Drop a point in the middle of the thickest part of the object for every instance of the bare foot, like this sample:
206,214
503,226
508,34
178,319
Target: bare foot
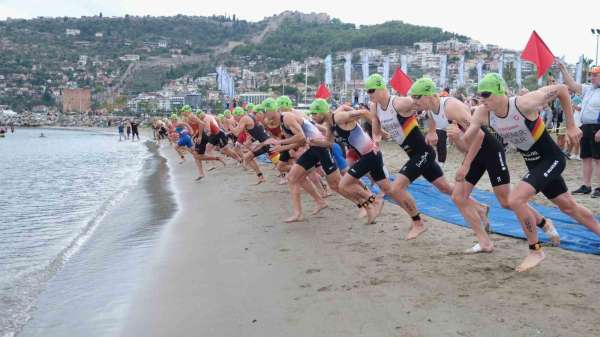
550,230
282,181
319,207
362,212
415,231
294,218
222,161
479,249
199,178
378,205
534,258
483,215
260,180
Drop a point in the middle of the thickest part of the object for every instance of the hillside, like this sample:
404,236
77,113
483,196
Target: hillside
42,55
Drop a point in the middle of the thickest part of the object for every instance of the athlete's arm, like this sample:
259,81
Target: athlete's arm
292,123
478,119
431,137
459,113
375,125
241,126
328,140
569,81
530,102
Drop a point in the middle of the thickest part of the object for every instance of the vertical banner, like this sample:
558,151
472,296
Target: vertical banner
461,71
561,79
518,75
479,70
501,66
404,63
348,67
365,65
578,70
540,81
443,70
386,69
328,73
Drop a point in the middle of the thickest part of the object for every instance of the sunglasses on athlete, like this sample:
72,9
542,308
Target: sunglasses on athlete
370,91
485,94
416,97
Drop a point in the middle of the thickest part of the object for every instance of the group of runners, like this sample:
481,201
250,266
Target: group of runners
326,150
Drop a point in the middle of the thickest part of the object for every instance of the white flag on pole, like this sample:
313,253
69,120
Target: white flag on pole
386,69
328,72
578,70
518,75
501,66
348,67
443,69
365,65
404,63
479,70
461,71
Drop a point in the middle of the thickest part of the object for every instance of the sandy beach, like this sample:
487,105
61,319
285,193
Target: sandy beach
228,265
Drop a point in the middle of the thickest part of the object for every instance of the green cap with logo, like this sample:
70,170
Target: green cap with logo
173,116
319,106
250,107
239,111
284,102
226,113
198,112
424,86
493,83
259,108
270,105
375,81
186,108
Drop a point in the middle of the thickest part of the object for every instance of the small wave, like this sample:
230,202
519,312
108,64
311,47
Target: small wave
30,284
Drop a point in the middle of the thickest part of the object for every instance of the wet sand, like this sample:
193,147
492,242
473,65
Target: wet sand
228,266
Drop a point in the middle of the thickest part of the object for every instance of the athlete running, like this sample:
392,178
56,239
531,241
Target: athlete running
484,153
396,115
517,120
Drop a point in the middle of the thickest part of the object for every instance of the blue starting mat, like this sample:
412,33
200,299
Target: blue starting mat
431,202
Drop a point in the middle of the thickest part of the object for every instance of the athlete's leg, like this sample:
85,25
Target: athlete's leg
461,198
584,216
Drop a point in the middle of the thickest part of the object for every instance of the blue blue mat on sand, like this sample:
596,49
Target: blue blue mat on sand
573,236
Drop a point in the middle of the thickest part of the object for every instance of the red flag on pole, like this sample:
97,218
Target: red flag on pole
323,92
537,52
401,82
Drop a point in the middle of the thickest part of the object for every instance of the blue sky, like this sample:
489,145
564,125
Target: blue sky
566,28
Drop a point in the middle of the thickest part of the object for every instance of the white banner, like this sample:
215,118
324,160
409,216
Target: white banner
443,70
328,72
518,75
461,71
386,69
404,63
578,70
348,68
225,82
365,65
501,66
540,82
479,70
561,79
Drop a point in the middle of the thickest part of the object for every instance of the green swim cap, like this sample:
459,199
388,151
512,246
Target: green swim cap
492,82
270,105
198,111
174,116
250,107
375,81
220,116
186,108
284,102
259,108
239,111
226,113
319,106
424,86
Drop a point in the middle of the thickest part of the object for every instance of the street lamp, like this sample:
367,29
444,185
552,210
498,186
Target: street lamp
597,33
